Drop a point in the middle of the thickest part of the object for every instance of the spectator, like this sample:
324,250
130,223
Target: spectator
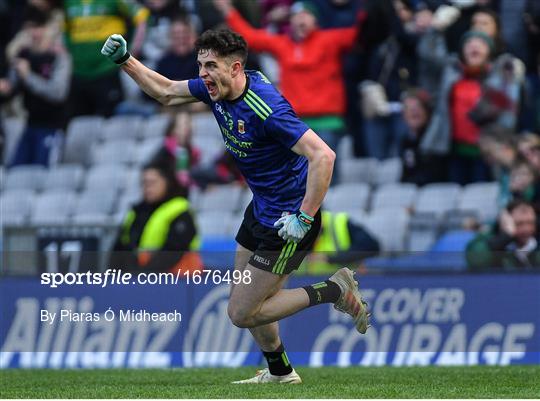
498,147
487,21
522,183
40,72
512,244
340,242
419,167
96,86
310,65
55,19
529,148
180,60
159,233
392,69
180,149
475,92
432,49
462,24
157,38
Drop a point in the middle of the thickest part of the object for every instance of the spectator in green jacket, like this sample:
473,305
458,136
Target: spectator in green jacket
513,244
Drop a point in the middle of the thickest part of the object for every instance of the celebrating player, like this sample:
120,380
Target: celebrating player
288,168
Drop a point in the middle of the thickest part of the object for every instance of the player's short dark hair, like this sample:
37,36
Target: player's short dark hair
224,43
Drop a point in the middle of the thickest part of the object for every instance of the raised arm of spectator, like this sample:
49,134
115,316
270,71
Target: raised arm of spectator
257,39
56,87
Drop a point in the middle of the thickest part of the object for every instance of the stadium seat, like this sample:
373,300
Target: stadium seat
133,181
26,177
211,147
387,171
2,177
114,151
345,149
246,198
121,127
53,207
453,241
356,170
204,125
194,197
235,223
147,149
349,197
455,219
64,176
213,223
394,195
438,198
389,226
482,198
106,177
16,206
155,126
94,202
225,198
423,231
126,201
13,129
82,132
93,219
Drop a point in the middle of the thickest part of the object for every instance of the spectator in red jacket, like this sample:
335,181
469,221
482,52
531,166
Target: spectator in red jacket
310,65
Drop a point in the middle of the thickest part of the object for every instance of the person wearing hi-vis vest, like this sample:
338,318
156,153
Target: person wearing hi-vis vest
158,234
340,242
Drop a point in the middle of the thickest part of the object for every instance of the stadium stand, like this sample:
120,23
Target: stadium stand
117,150
394,195
53,207
64,176
16,206
82,132
356,170
348,197
26,177
121,127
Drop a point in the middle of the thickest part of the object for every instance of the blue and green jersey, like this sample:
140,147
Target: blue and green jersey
259,129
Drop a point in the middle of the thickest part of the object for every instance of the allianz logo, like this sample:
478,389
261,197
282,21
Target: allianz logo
211,339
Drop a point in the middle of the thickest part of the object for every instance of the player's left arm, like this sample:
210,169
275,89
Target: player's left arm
320,167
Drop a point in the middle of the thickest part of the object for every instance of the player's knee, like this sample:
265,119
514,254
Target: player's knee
240,317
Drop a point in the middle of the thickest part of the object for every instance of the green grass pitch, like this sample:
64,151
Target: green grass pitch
327,382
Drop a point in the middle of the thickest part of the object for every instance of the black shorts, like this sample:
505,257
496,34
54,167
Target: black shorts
271,252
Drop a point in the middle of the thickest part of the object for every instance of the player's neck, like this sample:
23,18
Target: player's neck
238,87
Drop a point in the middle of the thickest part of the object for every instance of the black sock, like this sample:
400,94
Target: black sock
322,293
278,363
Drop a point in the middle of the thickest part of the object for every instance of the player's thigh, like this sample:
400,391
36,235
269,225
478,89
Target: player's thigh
241,260
248,295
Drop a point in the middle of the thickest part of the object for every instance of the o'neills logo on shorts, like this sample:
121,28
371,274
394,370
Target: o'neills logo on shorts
262,260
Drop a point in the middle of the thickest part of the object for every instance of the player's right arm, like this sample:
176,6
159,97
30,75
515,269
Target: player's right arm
164,90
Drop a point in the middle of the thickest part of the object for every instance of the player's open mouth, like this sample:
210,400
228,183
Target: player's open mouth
211,87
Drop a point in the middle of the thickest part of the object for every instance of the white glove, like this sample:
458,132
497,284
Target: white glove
115,47
294,226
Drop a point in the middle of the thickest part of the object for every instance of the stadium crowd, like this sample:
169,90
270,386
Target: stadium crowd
448,88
